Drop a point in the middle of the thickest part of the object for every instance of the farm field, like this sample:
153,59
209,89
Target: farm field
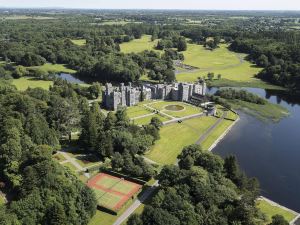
184,110
112,192
56,68
171,143
271,210
25,82
139,45
79,42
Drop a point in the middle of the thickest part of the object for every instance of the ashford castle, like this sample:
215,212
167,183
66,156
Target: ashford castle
122,95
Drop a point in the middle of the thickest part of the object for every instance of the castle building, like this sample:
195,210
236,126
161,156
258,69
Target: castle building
113,97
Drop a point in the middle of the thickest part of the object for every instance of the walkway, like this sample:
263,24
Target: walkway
73,162
146,194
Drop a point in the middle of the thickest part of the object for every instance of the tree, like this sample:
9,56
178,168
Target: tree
156,122
19,71
182,46
210,76
278,220
219,76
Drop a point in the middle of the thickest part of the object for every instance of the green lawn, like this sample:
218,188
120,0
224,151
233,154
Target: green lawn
25,82
139,45
187,111
56,68
147,120
59,157
79,42
230,65
175,136
136,111
271,210
215,134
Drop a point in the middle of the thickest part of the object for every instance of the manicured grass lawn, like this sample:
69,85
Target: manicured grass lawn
25,82
147,120
139,45
220,61
188,109
56,68
175,136
79,42
215,134
251,83
198,56
271,210
138,110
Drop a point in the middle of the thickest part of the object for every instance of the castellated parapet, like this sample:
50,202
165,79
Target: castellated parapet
122,95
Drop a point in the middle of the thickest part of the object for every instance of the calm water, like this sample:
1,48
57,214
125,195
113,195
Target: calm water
269,151
70,78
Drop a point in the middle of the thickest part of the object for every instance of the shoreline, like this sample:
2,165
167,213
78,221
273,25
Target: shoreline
297,215
220,138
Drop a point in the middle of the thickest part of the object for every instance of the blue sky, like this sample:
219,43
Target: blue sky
159,4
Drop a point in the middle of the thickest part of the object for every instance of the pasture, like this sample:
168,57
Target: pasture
139,45
174,137
25,82
112,192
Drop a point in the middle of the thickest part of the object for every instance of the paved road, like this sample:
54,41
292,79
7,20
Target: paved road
136,204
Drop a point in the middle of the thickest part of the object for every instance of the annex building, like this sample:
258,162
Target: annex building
114,96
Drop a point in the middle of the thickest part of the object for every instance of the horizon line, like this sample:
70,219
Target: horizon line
150,9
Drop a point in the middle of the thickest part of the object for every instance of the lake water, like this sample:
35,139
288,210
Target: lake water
269,151
70,78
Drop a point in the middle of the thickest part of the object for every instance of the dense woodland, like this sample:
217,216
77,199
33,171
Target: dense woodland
203,189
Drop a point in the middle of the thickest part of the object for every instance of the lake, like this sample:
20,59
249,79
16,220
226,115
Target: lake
269,151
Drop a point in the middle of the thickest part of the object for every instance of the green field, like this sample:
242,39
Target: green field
171,143
215,134
56,68
25,82
136,111
147,120
230,65
79,42
187,111
271,210
139,45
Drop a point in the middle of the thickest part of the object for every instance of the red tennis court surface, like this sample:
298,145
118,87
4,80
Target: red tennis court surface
112,192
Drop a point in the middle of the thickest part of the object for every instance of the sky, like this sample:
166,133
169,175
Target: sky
159,4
